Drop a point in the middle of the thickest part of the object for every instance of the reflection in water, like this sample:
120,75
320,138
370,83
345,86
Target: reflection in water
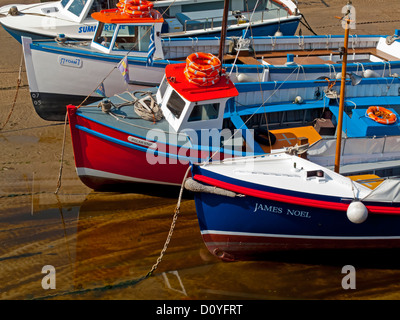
104,248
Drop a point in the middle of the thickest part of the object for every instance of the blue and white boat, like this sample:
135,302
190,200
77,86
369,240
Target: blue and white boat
182,18
251,206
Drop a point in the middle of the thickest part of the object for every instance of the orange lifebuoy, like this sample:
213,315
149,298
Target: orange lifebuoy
199,73
381,115
203,69
135,8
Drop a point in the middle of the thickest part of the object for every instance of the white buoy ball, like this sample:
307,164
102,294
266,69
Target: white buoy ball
298,100
357,212
278,34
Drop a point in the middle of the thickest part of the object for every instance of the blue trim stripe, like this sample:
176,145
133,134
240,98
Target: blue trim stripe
156,152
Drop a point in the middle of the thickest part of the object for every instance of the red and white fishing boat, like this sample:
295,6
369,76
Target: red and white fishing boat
152,136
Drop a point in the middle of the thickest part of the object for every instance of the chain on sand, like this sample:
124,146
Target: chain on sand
171,230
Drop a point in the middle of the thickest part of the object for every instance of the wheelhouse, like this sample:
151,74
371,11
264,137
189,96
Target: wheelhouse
118,32
188,106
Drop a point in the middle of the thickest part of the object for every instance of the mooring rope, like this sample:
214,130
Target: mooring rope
62,155
16,93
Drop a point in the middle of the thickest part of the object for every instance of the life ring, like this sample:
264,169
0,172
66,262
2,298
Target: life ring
203,81
381,115
135,8
263,136
199,73
203,69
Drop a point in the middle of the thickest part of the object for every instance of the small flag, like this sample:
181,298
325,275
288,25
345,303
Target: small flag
100,90
152,48
123,67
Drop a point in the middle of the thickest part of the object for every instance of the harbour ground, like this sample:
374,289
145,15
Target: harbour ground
40,228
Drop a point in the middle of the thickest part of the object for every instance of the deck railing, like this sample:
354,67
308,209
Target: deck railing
216,22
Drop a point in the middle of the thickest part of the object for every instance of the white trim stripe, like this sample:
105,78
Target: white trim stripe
82,171
270,235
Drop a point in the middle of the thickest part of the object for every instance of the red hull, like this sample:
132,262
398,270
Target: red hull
102,162
231,247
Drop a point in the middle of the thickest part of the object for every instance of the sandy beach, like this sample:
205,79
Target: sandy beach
29,170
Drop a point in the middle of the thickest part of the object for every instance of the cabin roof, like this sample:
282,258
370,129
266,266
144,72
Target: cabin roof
224,88
116,16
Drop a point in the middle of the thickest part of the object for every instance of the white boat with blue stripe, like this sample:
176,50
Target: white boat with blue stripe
182,18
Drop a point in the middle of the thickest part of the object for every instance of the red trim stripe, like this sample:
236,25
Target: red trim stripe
290,199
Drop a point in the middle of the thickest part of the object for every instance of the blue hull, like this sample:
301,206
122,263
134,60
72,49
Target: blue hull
17,34
242,227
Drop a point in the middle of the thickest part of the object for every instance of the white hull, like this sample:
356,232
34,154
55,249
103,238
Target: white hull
49,19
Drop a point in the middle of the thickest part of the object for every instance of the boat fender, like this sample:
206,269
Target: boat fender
243,77
370,74
263,136
298,100
13,11
338,76
357,212
195,186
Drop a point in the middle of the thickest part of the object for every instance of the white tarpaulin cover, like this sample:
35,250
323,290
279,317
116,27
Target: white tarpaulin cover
387,191
356,150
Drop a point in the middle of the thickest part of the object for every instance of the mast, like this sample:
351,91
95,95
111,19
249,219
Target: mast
342,95
223,30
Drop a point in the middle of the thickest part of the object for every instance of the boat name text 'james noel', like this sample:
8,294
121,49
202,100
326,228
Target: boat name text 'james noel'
279,210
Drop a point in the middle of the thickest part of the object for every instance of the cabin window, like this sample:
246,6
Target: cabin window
133,38
97,6
176,104
64,3
77,6
104,34
193,7
251,4
164,11
204,112
163,87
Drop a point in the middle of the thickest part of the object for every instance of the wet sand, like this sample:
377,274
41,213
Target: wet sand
102,244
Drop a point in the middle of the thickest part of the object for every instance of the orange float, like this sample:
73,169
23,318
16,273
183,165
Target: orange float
381,115
135,8
203,69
